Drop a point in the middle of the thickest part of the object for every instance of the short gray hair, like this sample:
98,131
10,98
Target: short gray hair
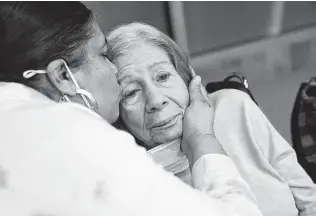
128,36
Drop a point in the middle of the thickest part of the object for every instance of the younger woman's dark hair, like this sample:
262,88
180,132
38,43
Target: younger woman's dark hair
32,34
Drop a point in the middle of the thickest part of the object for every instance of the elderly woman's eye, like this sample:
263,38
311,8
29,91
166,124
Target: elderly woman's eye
131,93
163,77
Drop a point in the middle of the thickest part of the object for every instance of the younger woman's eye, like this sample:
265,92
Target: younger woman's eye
105,55
163,77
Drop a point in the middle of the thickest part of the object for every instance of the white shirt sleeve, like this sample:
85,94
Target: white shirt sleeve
137,186
217,176
86,167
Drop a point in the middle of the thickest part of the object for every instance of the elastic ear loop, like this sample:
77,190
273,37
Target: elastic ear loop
85,95
30,73
89,96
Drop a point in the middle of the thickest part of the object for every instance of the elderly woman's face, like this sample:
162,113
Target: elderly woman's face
154,95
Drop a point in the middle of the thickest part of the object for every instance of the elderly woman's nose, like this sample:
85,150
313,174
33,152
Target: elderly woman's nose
156,101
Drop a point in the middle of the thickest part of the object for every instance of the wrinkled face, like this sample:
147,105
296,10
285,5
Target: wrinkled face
98,76
154,95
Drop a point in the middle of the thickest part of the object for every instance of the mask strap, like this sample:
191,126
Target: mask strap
70,75
87,98
92,103
30,73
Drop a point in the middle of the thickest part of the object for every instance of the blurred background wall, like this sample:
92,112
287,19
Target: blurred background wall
272,43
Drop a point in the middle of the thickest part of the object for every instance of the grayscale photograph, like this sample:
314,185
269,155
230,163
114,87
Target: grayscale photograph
157,108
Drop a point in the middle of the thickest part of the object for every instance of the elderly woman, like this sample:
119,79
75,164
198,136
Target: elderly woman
154,74
63,159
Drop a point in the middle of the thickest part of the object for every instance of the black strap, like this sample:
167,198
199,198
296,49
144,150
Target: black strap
227,83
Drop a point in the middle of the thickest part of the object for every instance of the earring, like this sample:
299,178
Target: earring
64,99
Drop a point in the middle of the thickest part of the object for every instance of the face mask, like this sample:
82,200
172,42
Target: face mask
170,156
87,98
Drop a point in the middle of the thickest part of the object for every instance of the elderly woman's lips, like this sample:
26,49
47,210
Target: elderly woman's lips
166,122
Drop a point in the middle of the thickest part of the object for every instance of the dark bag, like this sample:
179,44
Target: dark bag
228,83
303,127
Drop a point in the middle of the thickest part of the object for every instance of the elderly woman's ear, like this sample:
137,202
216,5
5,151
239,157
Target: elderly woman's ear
59,77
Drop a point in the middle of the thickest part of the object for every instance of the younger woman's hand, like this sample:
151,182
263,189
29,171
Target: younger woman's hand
198,135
